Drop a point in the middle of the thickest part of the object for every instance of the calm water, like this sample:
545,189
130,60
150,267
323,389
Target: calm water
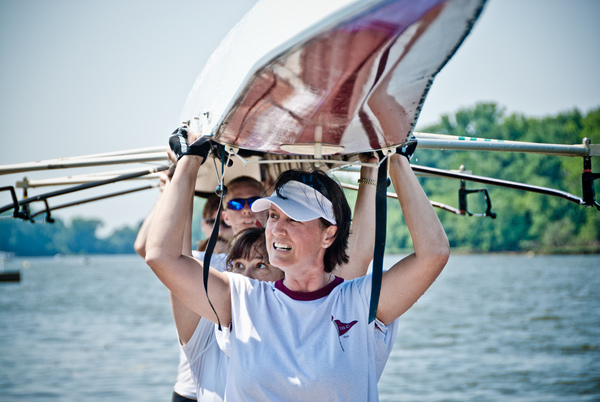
492,328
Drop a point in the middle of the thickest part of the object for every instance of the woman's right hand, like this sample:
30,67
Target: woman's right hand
184,141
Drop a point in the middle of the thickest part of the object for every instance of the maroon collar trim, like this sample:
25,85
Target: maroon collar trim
307,296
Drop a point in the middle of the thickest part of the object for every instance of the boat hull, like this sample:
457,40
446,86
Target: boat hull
326,79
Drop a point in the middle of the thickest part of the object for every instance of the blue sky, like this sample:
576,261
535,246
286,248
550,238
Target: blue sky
82,77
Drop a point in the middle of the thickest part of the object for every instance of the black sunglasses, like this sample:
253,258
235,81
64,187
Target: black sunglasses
238,203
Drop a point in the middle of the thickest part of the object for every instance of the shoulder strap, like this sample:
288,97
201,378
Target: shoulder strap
380,229
214,236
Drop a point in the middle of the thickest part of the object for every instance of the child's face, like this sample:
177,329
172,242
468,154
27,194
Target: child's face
256,268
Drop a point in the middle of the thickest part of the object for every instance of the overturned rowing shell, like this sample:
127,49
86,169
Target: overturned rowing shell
326,77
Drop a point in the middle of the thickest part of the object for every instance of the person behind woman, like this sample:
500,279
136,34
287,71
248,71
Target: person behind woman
248,256
306,336
208,364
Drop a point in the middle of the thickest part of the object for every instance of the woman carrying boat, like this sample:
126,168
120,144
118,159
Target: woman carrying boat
306,336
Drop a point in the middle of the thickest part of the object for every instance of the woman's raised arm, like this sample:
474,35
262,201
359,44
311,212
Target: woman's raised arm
183,274
409,278
362,232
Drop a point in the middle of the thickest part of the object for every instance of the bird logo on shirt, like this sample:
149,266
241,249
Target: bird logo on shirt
342,328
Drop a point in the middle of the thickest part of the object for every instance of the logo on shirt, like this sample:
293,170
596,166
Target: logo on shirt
342,328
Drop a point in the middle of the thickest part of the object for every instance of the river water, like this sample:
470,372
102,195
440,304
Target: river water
491,328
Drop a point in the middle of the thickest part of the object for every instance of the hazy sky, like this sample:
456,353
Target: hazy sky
82,77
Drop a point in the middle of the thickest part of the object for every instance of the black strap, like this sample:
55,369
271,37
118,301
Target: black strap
380,229
214,236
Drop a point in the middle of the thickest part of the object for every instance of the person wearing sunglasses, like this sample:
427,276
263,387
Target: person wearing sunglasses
241,193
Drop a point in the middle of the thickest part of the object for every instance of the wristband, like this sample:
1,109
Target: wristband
367,181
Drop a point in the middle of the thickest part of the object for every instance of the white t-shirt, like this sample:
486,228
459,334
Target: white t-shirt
185,384
202,360
294,346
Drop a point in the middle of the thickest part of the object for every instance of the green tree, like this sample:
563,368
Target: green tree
120,241
526,221
79,237
25,238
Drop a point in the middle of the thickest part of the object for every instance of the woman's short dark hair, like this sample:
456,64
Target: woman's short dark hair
244,243
336,254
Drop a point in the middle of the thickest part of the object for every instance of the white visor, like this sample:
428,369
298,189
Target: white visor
301,203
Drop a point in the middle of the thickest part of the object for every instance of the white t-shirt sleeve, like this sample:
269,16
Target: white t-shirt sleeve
217,261
207,362
224,338
384,335
200,340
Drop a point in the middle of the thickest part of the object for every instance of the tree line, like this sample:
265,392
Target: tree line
525,221
77,237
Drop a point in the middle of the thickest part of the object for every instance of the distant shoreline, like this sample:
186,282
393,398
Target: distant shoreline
571,250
